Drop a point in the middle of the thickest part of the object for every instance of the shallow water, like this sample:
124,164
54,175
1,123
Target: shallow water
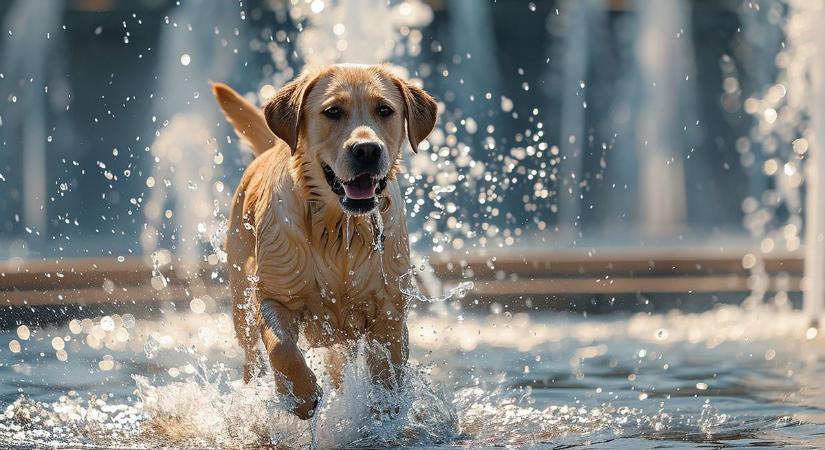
734,376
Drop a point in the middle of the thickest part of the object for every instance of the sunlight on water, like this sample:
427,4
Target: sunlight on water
748,323
193,396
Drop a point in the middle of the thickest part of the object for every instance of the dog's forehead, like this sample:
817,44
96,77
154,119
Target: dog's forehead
357,80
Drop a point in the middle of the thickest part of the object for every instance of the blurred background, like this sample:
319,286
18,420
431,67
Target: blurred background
647,131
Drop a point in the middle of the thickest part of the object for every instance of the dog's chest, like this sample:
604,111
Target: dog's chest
346,270
339,273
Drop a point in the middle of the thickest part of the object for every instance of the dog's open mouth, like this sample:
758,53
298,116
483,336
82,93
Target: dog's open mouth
360,187
358,195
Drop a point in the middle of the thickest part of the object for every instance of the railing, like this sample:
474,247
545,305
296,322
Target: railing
503,274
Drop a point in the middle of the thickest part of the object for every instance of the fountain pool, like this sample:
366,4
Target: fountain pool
735,376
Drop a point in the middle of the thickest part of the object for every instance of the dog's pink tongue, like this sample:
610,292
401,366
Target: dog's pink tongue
361,187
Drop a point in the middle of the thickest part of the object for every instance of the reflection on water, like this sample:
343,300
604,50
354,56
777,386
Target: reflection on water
737,375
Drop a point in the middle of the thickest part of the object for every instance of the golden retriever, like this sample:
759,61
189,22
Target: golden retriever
317,240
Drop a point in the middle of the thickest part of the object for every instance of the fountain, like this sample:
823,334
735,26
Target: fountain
814,290
573,107
789,126
185,194
664,77
27,52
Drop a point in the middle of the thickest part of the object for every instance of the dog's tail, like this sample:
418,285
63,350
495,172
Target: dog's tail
249,122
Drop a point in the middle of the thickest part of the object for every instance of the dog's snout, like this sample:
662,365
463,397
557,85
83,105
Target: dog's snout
366,154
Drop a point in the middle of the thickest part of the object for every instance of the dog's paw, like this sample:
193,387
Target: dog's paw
306,407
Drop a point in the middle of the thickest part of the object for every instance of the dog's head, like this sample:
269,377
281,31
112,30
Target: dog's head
348,123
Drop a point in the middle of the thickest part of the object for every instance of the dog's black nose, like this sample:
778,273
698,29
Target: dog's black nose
366,154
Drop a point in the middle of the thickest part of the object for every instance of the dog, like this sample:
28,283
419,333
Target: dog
318,222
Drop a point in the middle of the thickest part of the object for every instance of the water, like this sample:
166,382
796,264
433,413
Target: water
733,376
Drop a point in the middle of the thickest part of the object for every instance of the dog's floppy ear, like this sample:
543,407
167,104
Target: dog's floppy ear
283,110
420,111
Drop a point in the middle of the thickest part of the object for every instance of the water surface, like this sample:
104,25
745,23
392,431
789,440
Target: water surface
736,376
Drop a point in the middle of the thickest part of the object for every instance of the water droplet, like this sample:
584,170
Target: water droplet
75,327
58,343
23,332
197,306
506,104
107,363
151,347
107,323
128,320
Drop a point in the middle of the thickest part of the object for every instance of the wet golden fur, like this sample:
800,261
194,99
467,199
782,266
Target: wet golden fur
318,270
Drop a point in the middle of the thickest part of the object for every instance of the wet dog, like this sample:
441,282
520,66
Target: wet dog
317,240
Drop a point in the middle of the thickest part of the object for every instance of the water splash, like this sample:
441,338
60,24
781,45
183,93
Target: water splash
409,289
195,413
159,280
359,31
218,237
200,413
378,240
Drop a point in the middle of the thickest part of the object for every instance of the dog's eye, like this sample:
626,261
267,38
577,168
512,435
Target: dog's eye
385,111
333,112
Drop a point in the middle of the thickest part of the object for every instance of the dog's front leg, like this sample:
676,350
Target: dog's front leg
385,361
279,330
